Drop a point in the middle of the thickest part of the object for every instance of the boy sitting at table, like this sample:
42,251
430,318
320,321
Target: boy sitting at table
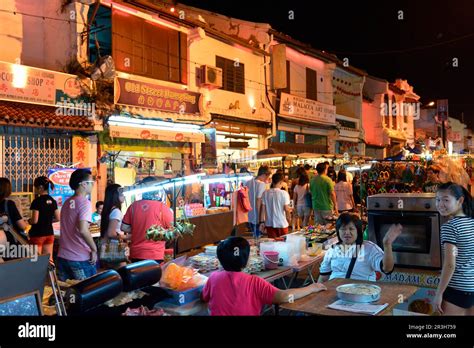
233,292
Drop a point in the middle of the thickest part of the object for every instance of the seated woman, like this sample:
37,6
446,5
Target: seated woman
354,258
233,292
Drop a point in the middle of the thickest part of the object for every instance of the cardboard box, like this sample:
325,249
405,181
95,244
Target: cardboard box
419,304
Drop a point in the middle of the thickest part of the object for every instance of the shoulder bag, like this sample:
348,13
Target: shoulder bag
112,250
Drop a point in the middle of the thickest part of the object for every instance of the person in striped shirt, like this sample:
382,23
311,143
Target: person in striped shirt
455,293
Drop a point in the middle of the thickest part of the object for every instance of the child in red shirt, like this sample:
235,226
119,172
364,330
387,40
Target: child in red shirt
232,292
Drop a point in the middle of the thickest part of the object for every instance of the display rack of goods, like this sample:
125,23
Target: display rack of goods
217,210
319,233
195,209
394,177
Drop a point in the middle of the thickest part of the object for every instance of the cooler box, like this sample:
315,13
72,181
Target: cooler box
180,298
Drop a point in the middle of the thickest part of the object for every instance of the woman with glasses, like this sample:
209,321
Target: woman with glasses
77,256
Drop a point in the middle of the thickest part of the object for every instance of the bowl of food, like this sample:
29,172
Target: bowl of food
363,293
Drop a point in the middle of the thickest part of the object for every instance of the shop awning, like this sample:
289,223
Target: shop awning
239,126
309,155
135,128
319,125
40,116
272,153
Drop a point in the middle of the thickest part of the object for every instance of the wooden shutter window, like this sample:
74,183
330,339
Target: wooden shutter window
146,49
233,77
288,79
311,92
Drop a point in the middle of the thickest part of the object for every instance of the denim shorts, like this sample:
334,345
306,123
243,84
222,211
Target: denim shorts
78,270
255,230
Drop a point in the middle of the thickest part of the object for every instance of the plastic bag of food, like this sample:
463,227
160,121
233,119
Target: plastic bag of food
180,278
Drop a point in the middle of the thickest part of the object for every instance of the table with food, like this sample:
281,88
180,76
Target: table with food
351,297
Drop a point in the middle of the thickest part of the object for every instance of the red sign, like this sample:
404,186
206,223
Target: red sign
61,177
151,96
179,137
146,134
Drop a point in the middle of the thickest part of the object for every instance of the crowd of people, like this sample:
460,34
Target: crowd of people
78,255
309,194
231,292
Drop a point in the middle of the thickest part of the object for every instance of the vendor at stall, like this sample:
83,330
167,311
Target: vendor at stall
142,215
354,258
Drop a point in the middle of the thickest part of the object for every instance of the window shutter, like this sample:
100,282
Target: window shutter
311,84
288,79
233,77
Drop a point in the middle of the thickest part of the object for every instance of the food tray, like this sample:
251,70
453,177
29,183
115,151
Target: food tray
361,293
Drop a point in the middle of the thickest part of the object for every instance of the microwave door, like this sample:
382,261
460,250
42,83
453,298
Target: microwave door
418,245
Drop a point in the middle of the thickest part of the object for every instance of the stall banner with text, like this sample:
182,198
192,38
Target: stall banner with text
60,178
151,96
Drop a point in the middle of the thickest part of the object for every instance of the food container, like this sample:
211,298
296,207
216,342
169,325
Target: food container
362,293
211,250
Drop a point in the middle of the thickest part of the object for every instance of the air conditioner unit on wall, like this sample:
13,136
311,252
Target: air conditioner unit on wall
211,77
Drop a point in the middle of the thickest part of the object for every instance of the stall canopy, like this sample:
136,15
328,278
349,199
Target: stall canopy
138,128
398,157
272,153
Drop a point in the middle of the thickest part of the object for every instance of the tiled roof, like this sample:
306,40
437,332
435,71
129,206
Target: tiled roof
29,115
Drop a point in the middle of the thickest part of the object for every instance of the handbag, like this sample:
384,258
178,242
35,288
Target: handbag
112,250
308,198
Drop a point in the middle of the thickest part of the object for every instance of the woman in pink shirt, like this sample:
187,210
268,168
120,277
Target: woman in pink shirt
232,292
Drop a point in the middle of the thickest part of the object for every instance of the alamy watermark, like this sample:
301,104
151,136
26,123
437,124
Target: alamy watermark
401,109
66,108
13,251
349,250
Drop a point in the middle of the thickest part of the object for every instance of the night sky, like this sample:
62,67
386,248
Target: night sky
419,48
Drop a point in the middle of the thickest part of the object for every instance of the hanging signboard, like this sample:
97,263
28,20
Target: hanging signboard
209,148
153,96
307,109
21,83
442,110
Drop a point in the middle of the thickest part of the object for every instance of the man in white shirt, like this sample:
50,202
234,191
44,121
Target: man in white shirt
257,187
275,206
